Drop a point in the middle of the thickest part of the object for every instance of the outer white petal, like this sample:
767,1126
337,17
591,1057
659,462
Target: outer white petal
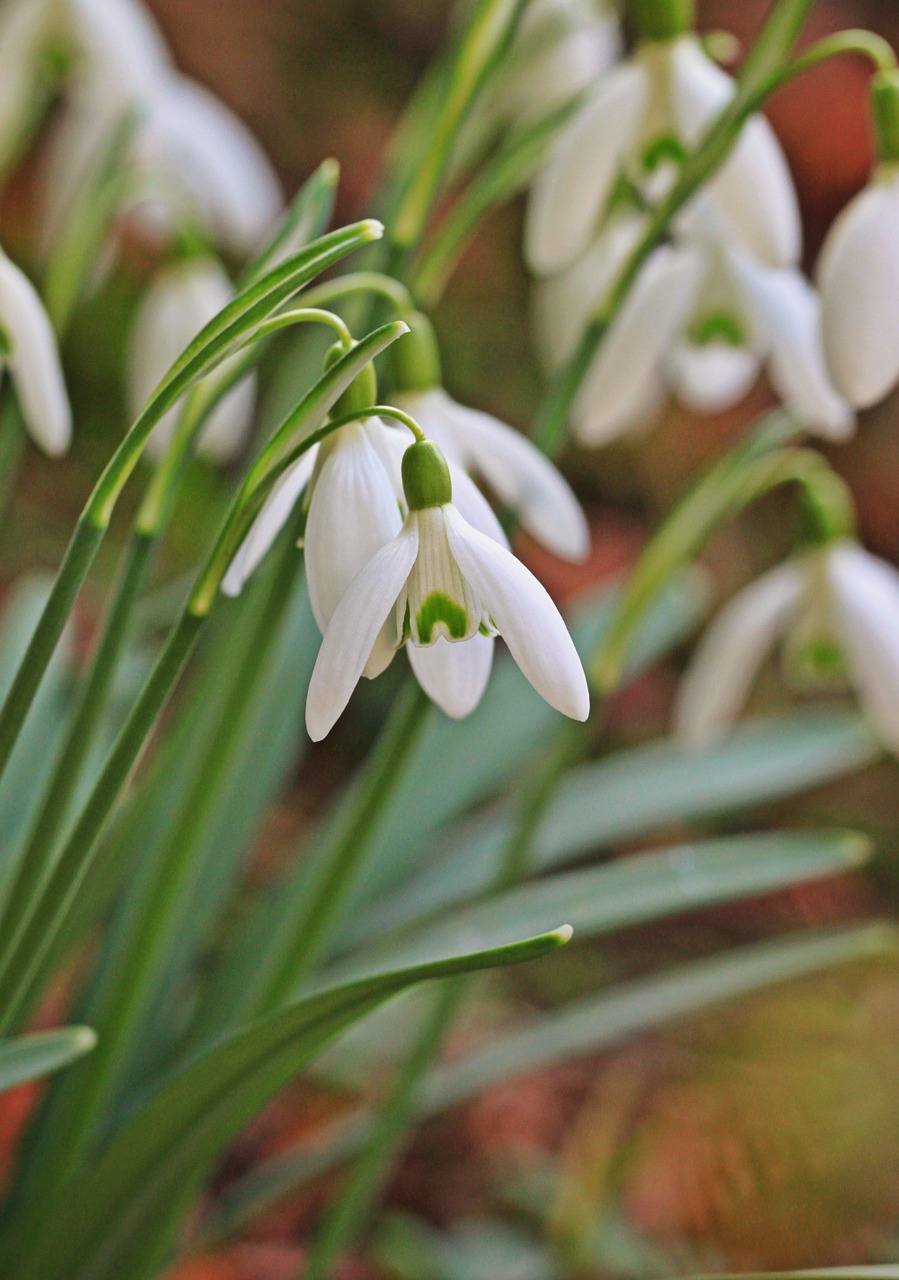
570,194
712,377
699,88
269,522
564,303
123,49
787,310
859,279
354,629
755,193
454,675
196,138
475,508
228,427
865,593
353,513
732,650
626,371
524,478
34,361
524,615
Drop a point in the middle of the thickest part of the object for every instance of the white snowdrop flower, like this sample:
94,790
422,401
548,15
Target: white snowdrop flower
519,474
639,123
182,299
858,275
442,581
193,158
702,321
837,609
29,352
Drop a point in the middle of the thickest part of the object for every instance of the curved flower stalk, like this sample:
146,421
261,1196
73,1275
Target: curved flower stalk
440,581
519,474
638,126
858,272
195,161
703,320
836,607
29,352
181,300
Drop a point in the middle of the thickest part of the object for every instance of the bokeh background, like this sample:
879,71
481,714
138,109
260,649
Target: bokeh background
763,1136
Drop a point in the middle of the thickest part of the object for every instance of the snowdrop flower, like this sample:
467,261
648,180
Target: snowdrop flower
181,300
194,158
838,609
638,124
28,351
518,473
442,582
702,321
859,273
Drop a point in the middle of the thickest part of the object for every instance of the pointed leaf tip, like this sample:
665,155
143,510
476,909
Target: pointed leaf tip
371,228
564,934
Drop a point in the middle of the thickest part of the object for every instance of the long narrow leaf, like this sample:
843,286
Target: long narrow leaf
32,1057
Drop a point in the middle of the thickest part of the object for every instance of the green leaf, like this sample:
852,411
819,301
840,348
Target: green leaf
31,1057
631,794
155,1155
630,891
582,1028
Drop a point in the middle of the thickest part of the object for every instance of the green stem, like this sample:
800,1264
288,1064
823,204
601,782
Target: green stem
47,914
123,997
37,858
362,282
77,561
661,19
388,1131
12,446
343,856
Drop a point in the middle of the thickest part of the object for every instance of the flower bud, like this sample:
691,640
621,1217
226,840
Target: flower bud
416,357
426,477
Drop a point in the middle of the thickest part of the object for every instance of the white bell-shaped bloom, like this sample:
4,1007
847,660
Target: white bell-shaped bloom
639,123
441,581
837,609
29,352
702,321
181,300
518,473
194,160
858,275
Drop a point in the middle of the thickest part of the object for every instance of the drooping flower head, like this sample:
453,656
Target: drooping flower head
28,351
442,582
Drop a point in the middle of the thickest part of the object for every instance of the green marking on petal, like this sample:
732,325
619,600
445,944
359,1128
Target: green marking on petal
664,150
718,326
438,609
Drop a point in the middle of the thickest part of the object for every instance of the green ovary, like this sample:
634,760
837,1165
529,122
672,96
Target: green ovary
437,609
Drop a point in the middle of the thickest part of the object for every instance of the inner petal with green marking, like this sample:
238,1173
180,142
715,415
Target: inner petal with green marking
440,602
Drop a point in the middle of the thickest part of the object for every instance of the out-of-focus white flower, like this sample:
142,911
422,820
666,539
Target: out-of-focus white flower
837,608
639,123
442,582
858,275
702,321
181,300
519,474
194,159
29,352
27,31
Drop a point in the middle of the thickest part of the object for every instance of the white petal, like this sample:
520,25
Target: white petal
755,193
354,629
454,674
227,429
734,647
353,513
524,478
271,519
712,377
866,608
439,599
34,361
699,88
626,370
25,32
859,278
475,508
122,47
193,136
563,303
787,310
525,617
570,195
